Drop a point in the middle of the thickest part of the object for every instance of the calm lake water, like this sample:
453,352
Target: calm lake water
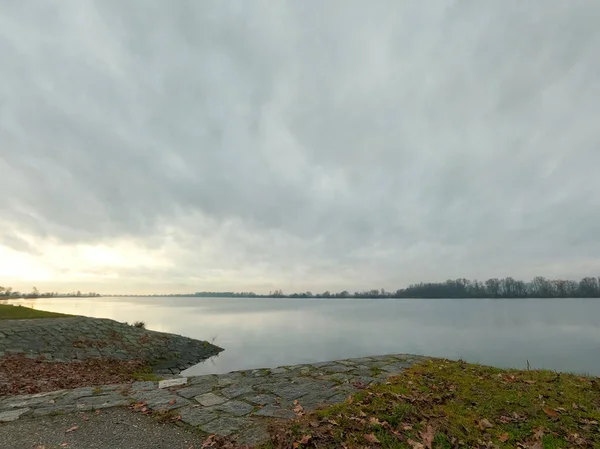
560,334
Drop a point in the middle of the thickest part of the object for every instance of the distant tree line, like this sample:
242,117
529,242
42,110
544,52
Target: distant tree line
9,293
539,287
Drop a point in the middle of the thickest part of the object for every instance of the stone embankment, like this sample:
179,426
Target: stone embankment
238,404
80,338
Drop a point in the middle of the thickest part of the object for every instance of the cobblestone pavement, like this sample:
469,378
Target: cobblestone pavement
78,338
238,403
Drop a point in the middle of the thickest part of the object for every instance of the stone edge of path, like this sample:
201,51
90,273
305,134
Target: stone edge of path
238,404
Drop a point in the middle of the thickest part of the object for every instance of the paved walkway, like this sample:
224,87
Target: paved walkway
79,338
238,403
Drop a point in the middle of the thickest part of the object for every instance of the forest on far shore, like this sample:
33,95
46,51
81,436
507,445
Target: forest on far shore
539,287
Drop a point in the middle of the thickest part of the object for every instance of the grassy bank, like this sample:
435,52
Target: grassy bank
443,404
8,312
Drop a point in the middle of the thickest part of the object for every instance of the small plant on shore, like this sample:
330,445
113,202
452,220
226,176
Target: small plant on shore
166,416
146,374
139,325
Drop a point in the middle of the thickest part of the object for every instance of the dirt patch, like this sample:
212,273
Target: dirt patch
22,375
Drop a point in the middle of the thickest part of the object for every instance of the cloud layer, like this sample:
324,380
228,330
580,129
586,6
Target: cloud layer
182,146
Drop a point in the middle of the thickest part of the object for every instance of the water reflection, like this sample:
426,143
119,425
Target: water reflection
559,334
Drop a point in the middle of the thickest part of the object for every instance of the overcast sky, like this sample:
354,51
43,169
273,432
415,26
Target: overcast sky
154,146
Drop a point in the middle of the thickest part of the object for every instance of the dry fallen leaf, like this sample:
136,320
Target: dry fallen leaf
396,433
313,424
415,445
72,429
485,424
40,446
172,401
550,412
64,445
362,414
209,441
534,445
371,438
538,434
374,421
427,436
504,437
305,439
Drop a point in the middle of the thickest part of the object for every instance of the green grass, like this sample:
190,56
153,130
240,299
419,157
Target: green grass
8,312
146,374
444,404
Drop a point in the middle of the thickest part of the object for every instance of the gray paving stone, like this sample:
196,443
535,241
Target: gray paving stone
261,399
365,380
349,363
12,415
235,391
208,399
340,377
224,426
253,436
196,415
321,364
229,379
339,398
54,410
100,402
397,367
209,379
31,401
335,368
161,399
361,360
311,402
143,386
77,393
235,408
290,391
194,390
272,411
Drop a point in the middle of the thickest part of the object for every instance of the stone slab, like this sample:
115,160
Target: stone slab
167,383
208,399
12,415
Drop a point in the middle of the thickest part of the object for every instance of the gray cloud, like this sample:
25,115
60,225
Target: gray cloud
305,144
